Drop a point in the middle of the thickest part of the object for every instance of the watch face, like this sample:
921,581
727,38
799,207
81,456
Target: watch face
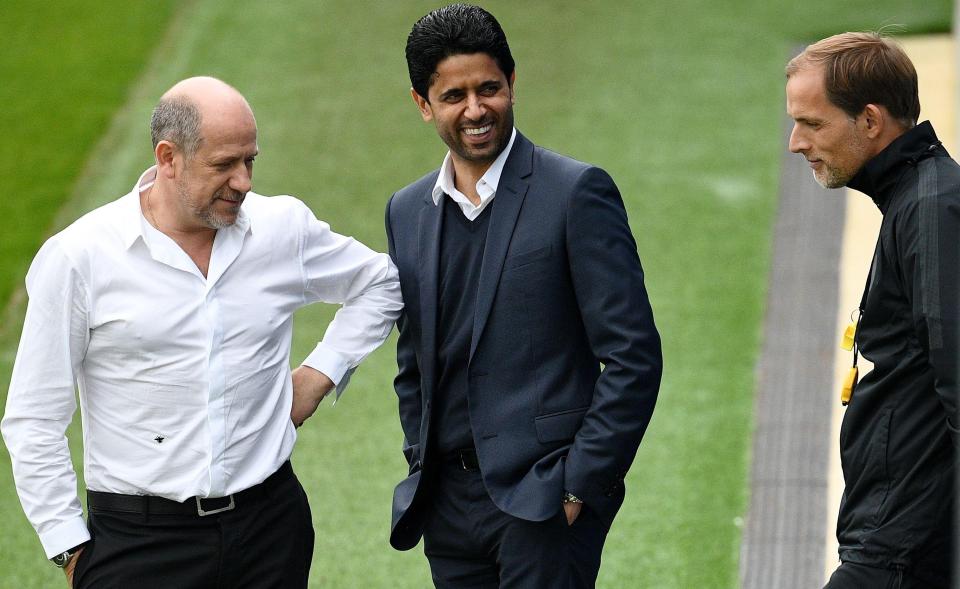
63,558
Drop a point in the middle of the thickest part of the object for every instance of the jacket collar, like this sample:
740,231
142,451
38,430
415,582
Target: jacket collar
511,191
880,174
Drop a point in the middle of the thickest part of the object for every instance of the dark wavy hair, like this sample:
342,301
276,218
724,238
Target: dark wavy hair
454,30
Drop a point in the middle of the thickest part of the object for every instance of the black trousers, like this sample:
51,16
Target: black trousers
850,575
265,542
471,544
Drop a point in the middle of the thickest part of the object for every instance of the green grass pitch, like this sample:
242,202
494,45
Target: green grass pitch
681,102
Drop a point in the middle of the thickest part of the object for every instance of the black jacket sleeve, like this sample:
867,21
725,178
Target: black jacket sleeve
407,382
930,255
608,282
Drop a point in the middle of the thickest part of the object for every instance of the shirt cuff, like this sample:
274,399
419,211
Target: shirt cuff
64,536
333,364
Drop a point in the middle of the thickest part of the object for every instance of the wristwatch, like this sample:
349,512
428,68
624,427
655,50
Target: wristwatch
571,498
64,557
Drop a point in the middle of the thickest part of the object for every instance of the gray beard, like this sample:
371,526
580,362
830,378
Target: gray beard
205,215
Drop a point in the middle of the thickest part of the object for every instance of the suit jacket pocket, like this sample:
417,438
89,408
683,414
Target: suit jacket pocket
525,258
562,425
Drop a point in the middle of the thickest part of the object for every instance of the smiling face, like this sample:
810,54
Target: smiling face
471,105
213,182
835,145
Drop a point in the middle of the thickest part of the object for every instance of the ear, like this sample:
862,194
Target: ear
513,78
166,155
423,105
874,120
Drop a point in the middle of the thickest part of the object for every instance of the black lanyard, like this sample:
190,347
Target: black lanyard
846,393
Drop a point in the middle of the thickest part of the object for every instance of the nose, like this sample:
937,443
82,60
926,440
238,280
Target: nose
242,178
475,108
798,143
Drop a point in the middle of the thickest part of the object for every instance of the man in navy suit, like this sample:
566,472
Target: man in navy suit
528,359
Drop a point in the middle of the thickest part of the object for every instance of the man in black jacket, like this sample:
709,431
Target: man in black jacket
853,98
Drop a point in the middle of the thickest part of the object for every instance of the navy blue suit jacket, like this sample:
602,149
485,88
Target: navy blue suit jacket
561,293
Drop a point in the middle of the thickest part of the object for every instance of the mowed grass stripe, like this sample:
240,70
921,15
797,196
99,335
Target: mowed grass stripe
66,68
680,102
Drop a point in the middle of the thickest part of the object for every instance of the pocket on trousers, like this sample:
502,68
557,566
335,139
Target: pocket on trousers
80,568
562,425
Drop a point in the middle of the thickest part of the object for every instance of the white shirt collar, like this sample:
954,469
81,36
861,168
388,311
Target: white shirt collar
486,186
137,224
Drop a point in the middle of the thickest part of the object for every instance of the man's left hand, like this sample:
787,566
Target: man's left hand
310,386
71,565
573,511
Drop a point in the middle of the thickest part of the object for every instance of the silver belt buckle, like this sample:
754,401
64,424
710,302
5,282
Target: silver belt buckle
202,512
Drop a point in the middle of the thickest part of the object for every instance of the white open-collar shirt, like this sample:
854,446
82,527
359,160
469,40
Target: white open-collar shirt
184,380
486,185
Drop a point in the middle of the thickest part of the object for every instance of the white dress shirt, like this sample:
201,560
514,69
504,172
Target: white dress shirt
184,381
486,185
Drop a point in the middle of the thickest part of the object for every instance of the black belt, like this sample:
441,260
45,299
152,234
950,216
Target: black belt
196,506
465,459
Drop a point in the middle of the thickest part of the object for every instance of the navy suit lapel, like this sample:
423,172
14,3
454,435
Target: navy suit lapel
511,191
430,227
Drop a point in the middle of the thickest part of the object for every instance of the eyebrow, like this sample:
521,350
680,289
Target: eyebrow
484,84
228,159
807,120
451,92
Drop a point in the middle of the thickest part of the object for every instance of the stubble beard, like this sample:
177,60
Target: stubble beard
832,178
838,176
205,214
504,128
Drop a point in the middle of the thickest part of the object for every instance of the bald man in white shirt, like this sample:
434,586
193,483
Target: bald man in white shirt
170,309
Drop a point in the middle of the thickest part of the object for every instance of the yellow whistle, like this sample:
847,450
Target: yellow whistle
849,384
848,334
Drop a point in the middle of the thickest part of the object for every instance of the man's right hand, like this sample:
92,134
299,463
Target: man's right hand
309,388
572,511
68,570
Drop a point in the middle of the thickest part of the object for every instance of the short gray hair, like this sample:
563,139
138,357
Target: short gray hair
176,119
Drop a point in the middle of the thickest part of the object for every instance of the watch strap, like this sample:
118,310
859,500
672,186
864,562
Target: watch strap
64,557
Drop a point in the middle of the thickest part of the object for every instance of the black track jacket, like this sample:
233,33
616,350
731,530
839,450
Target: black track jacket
898,441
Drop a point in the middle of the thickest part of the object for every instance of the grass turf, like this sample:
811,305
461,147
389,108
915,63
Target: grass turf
681,102
65,69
